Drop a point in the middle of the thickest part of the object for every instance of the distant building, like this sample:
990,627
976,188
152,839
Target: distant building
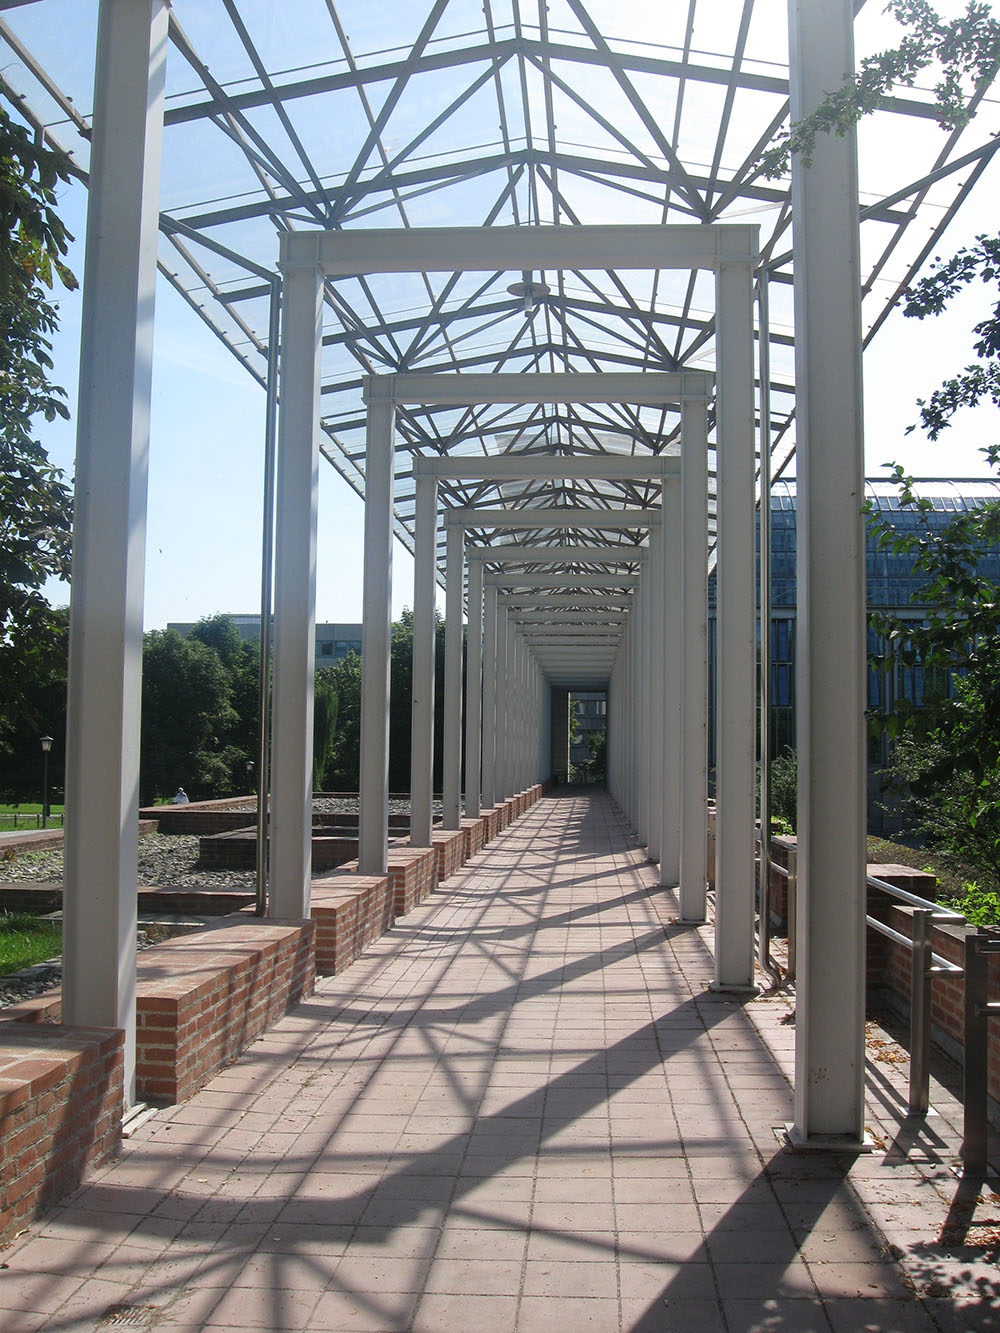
589,718
333,641
892,585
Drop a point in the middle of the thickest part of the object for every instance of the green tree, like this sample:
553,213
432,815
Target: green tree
35,503
42,712
326,704
186,711
239,738
342,766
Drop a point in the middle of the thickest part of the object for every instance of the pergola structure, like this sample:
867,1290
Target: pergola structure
440,195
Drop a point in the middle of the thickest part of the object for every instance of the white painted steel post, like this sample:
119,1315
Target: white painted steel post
515,709
638,721
694,681
656,689
646,613
490,648
422,721
474,693
296,518
505,695
830,648
452,745
670,857
376,631
109,528
736,657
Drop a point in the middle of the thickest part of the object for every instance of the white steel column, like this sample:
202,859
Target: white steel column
422,723
694,662
474,692
656,690
830,680
505,662
646,614
670,603
295,595
452,745
376,632
109,529
490,670
736,606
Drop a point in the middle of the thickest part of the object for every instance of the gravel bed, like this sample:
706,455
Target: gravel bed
165,860
340,805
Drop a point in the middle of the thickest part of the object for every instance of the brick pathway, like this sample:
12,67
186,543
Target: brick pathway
522,1109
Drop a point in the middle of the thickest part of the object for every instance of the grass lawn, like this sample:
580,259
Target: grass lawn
27,815
26,939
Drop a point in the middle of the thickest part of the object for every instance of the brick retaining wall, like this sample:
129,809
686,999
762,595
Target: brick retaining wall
474,831
413,875
350,912
201,999
449,847
60,1113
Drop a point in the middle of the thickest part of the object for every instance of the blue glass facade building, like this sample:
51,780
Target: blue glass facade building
892,582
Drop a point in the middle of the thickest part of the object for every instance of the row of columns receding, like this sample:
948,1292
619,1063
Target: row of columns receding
106,614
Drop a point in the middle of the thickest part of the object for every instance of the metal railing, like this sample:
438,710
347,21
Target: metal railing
924,966
765,864
14,820
979,945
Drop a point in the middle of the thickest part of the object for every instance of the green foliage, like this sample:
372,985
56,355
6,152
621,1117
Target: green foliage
598,743
930,296
186,713
342,761
949,805
965,52
40,711
326,702
239,732
980,907
35,503
26,940
784,775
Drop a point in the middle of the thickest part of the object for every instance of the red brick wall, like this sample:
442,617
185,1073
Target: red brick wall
60,1112
475,832
413,875
204,816
449,847
201,999
350,911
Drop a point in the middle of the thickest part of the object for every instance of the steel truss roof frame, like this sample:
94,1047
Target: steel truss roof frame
528,115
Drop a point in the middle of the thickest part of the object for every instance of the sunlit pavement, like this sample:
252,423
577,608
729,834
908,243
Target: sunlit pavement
522,1109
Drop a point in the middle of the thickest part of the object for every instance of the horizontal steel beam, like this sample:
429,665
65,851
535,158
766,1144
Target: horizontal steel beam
560,581
466,390
499,249
534,553
544,600
557,618
552,516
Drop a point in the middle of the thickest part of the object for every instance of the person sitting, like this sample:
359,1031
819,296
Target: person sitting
180,797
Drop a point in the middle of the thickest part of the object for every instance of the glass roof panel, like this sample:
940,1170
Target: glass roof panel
345,113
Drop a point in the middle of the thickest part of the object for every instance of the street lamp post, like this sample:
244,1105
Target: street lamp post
46,747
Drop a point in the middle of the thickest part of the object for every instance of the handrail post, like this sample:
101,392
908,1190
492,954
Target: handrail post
974,1148
793,911
920,1012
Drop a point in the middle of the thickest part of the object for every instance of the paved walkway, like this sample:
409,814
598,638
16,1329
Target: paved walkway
522,1109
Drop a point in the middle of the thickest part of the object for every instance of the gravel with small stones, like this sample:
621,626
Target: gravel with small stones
165,860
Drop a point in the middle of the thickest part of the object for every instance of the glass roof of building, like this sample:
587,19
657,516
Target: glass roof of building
347,114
